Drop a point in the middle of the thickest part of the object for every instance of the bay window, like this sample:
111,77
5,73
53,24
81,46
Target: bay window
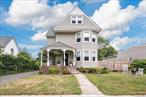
86,55
78,56
78,37
94,37
93,55
86,36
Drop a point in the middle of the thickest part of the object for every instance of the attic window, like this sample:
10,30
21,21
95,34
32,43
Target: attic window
76,19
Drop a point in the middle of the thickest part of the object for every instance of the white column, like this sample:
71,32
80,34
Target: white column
48,63
74,59
64,57
41,58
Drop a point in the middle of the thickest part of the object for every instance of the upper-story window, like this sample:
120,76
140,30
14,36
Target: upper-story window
78,56
86,55
94,39
78,37
86,36
77,19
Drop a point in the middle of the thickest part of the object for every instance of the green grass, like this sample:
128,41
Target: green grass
42,85
119,84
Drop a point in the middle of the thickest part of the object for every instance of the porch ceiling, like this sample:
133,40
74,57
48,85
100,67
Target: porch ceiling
58,45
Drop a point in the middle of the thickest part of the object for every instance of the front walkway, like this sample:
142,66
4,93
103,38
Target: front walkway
11,77
86,86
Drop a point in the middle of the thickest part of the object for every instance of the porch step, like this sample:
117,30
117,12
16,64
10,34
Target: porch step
73,70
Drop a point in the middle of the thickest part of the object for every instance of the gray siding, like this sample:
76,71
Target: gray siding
51,41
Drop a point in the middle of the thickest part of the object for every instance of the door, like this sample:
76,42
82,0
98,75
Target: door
66,59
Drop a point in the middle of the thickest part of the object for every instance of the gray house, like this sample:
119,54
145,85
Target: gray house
73,40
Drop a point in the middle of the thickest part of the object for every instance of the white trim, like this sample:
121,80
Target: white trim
76,37
95,37
95,55
76,18
80,55
84,55
88,36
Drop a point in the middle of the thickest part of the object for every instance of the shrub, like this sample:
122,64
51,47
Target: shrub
91,70
64,70
43,69
104,70
83,70
53,70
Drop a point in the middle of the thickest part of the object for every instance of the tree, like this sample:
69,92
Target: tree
105,50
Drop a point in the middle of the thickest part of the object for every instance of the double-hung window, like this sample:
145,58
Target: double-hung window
78,56
76,19
78,37
86,55
94,37
93,55
86,36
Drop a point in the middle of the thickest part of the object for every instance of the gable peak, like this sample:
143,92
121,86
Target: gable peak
76,11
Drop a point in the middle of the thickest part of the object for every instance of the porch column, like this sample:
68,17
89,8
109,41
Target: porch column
41,58
64,57
74,59
48,63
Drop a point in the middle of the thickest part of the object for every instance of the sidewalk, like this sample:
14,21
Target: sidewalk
86,86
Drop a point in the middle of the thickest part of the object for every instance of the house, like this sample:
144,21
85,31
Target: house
9,45
73,40
124,58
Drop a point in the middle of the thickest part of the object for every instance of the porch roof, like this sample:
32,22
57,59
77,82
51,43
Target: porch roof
58,45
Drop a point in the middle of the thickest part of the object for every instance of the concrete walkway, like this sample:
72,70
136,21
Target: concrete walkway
8,78
86,86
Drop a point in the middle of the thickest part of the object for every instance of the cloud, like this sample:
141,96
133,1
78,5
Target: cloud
30,46
39,36
114,20
120,42
37,14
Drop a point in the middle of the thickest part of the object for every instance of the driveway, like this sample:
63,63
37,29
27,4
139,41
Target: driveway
11,77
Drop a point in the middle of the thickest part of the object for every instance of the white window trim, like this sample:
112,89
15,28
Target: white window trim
95,55
84,55
76,19
76,37
89,36
80,55
93,37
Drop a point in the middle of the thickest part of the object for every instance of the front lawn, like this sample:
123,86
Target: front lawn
119,84
42,85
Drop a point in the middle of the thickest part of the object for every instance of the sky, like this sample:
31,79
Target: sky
123,22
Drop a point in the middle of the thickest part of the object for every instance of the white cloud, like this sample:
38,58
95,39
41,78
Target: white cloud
114,20
39,36
37,14
30,46
118,42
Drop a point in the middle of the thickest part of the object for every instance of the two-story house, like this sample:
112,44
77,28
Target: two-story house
73,40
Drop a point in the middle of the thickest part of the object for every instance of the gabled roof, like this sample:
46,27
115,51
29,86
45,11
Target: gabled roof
65,24
4,40
58,45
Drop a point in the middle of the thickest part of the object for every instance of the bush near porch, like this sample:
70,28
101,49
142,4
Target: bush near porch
93,70
53,70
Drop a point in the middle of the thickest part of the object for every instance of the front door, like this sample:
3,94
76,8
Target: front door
66,59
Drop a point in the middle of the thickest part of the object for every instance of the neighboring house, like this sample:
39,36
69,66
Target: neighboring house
9,45
73,41
124,57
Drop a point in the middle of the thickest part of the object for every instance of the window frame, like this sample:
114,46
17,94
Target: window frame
79,55
93,33
76,37
76,19
94,56
84,55
85,36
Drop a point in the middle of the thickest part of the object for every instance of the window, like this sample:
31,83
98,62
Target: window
78,56
86,36
77,19
94,37
78,39
86,55
93,55
12,51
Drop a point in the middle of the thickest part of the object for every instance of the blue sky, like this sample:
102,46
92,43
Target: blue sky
124,26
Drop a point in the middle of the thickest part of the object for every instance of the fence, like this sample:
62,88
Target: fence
113,64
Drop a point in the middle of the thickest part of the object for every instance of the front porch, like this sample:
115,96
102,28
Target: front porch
58,54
